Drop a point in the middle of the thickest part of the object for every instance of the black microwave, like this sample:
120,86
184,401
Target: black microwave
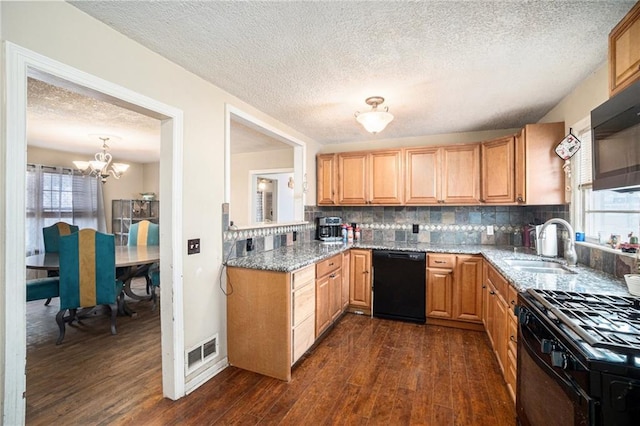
616,142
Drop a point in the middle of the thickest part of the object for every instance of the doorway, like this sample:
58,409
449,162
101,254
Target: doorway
20,64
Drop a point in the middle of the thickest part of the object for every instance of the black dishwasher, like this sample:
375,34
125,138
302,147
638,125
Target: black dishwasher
399,285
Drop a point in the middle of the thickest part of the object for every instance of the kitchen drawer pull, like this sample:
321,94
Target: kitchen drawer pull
440,261
332,276
491,292
331,264
513,302
484,286
513,339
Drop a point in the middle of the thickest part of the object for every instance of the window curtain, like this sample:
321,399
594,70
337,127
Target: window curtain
58,194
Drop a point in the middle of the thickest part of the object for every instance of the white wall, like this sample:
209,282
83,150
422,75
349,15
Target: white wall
241,165
62,32
151,178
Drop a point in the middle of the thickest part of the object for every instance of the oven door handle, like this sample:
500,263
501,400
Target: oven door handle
569,385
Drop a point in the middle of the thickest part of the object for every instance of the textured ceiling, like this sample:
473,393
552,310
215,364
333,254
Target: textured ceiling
448,66
64,120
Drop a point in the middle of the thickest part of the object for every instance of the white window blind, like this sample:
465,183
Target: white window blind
585,176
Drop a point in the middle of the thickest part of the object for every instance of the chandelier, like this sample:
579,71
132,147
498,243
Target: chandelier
99,167
374,121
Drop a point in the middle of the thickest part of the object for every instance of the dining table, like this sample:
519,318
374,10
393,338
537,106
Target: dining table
128,259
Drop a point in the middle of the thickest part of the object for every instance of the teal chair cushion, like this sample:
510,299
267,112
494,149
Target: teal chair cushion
43,288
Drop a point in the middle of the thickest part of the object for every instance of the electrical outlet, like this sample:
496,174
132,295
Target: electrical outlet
249,244
416,228
489,229
193,246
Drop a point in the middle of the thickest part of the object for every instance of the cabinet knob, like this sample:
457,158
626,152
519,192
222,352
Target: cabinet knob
513,339
520,199
491,292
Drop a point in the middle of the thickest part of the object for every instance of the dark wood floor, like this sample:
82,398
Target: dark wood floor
366,371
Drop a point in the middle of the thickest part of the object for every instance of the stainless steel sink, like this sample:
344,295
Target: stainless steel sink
538,266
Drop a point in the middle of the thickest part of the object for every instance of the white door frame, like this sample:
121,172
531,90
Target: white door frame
18,62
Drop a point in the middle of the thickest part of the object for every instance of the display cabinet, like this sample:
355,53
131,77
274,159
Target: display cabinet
124,213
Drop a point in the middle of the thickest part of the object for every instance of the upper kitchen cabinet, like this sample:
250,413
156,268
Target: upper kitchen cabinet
624,53
460,174
442,175
327,176
498,171
422,179
370,177
539,175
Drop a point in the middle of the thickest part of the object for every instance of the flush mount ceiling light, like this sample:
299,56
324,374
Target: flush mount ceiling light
99,167
374,121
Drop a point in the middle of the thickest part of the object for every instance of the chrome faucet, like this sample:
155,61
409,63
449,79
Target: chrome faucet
569,251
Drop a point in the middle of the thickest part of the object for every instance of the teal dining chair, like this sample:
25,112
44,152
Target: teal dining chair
87,276
145,233
51,235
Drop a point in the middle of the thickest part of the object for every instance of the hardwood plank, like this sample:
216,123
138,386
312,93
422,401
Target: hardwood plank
364,371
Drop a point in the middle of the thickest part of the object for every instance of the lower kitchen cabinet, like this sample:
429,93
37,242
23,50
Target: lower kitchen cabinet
270,318
346,275
328,292
501,323
360,281
454,290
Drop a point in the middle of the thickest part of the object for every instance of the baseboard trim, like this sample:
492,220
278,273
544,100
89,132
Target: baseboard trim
205,375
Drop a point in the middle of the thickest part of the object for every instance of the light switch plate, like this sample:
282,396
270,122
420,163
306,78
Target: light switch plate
193,246
489,229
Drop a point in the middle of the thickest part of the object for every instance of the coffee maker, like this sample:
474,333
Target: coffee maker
329,229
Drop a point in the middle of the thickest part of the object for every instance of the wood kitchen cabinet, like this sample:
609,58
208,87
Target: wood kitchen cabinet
624,54
360,281
440,285
328,292
327,179
373,177
540,179
422,175
499,295
460,174
270,319
346,275
498,171
467,305
454,290
442,175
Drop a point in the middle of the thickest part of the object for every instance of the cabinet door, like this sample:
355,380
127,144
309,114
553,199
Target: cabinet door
500,330
461,174
360,282
335,291
346,274
385,177
323,304
439,293
520,165
624,54
326,184
498,171
422,177
352,178
544,177
467,305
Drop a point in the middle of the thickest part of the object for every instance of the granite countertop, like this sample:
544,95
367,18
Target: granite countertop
585,280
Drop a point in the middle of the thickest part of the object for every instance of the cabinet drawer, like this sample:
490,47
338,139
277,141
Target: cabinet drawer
303,337
511,371
329,265
304,303
512,335
498,282
444,261
303,276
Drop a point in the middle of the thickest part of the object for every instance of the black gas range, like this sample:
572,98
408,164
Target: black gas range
578,359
